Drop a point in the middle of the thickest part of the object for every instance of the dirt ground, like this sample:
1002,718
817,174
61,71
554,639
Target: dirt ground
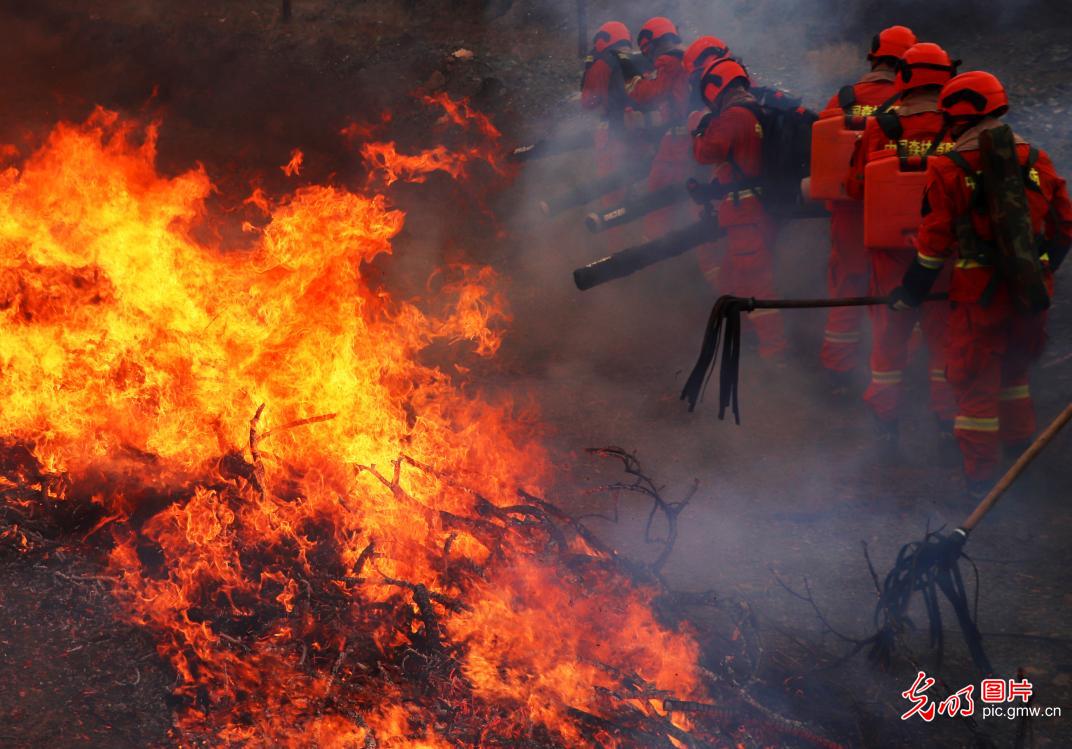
793,492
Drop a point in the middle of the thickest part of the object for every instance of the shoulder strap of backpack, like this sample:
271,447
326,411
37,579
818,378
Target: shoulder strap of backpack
1032,159
937,142
977,202
846,98
890,124
888,104
961,162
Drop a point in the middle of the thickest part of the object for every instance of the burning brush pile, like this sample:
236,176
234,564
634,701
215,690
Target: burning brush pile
332,543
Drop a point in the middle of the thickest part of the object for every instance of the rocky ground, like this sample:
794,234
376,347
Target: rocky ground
792,492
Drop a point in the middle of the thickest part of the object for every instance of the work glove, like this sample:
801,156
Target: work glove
901,300
698,122
630,67
915,286
703,193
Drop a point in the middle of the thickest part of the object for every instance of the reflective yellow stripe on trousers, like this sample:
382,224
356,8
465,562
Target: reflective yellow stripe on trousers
886,378
970,424
1015,392
842,337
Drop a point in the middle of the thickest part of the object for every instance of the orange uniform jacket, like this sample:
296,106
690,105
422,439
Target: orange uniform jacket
665,91
920,125
733,143
870,92
948,196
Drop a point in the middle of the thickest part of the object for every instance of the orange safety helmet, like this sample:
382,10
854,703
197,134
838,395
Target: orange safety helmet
973,95
925,64
718,76
611,34
891,42
655,29
702,51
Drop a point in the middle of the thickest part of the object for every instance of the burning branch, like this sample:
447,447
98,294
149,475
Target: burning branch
433,604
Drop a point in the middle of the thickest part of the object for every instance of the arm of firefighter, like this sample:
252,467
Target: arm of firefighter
595,84
933,247
646,91
914,288
697,121
711,144
1059,221
937,237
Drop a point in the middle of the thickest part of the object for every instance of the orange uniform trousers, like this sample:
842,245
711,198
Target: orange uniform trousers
890,335
991,349
847,276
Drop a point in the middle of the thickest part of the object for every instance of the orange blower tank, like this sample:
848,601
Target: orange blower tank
832,143
893,197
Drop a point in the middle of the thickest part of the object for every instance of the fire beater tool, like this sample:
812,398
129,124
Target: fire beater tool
726,317
932,565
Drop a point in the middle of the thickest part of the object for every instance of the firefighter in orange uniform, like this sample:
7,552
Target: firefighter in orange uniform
912,131
661,98
603,93
992,342
730,137
701,53
698,56
847,274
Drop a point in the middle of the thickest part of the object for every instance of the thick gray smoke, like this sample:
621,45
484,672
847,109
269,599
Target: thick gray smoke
800,484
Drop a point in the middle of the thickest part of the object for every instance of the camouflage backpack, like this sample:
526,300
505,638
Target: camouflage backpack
1001,194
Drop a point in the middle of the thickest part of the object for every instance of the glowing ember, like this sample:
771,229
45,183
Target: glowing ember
385,158
294,166
308,518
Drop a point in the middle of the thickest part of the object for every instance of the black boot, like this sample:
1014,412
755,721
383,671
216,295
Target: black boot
886,436
840,384
948,450
1013,450
978,488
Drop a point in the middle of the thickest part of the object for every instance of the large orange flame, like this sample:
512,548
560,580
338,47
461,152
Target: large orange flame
316,469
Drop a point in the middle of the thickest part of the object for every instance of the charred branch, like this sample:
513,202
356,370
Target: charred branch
643,484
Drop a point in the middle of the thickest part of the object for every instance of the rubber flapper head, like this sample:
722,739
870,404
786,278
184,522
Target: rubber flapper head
930,566
723,325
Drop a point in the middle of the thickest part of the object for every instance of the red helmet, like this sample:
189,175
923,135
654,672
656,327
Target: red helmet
703,51
717,77
973,95
892,42
653,30
611,34
925,64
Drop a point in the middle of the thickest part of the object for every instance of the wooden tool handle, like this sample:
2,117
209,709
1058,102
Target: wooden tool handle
1017,468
